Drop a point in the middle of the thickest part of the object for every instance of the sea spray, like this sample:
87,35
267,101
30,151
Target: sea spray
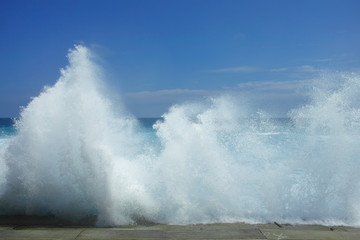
61,161
330,148
217,160
204,170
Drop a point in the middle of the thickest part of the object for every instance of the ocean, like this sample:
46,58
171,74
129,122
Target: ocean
74,153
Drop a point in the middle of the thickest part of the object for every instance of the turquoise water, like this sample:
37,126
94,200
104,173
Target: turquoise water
7,127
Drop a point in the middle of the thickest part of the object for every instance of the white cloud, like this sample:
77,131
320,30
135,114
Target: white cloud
168,92
323,60
170,96
276,96
274,86
156,103
306,68
255,87
279,69
240,69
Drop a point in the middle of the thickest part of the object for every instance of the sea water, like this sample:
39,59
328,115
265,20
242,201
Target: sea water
75,153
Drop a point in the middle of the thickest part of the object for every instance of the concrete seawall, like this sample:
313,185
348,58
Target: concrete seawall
47,228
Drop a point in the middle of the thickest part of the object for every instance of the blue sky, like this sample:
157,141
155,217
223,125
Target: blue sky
157,53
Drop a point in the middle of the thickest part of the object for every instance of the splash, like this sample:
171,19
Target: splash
67,145
76,155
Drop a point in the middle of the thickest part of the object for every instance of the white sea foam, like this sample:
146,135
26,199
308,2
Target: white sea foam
213,161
